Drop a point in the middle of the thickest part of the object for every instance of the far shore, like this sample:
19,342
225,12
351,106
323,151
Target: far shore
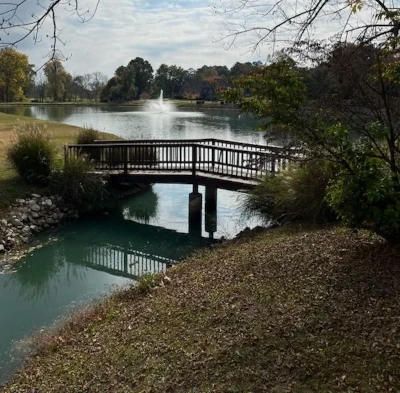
195,104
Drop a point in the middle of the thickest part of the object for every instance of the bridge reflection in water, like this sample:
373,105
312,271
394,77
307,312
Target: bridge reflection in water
130,249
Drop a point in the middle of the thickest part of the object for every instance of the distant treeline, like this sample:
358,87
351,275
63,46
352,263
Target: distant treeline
137,80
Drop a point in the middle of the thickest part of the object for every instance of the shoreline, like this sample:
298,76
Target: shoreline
133,104
273,312
29,217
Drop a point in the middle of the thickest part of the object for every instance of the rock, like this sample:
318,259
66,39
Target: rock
50,221
24,217
49,202
2,249
17,222
21,201
36,196
35,215
26,229
4,223
35,207
34,228
166,280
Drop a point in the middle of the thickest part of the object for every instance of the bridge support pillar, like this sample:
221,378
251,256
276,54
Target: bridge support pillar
195,207
211,211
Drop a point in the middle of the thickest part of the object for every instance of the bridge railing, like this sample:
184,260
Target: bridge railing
206,141
246,161
125,261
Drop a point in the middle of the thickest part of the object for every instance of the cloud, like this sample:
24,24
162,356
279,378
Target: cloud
187,33
181,32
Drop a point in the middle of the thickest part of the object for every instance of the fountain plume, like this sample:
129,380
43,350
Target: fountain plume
159,105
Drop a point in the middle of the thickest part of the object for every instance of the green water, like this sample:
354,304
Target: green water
90,257
83,261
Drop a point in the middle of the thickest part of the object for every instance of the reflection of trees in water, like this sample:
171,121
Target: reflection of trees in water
53,112
142,208
41,277
18,110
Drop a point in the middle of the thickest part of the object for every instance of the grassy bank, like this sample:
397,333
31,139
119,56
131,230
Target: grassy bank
302,311
11,186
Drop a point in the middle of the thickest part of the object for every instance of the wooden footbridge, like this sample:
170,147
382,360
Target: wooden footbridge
211,162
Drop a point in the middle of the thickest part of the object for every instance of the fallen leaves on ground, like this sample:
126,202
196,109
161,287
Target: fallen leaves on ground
314,311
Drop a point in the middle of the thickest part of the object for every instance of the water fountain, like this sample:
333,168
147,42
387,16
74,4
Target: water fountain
159,106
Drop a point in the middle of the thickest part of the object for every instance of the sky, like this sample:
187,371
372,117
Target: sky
187,33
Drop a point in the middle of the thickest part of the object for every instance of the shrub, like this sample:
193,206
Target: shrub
368,197
297,193
33,153
87,136
78,186
147,281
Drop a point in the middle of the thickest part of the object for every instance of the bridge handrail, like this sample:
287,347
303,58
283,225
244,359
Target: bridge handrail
211,147
200,141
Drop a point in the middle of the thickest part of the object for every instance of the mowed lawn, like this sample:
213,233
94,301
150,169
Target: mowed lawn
11,186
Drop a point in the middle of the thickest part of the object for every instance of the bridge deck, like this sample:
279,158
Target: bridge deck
204,160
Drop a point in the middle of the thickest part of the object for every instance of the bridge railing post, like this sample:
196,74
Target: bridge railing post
273,166
194,159
213,155
125,160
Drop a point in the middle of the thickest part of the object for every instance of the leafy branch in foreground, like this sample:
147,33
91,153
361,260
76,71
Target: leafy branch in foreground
352,122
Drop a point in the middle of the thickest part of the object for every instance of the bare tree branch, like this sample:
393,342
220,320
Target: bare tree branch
22,19
370,21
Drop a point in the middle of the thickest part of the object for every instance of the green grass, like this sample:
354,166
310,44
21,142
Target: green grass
11,186
301,311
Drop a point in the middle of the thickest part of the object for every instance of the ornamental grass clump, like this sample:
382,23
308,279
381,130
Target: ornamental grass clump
33,154
87,136
297,193
80,187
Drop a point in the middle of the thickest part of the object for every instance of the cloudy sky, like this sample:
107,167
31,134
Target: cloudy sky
188,33
182,32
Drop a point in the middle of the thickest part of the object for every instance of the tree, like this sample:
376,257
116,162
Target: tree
222,71
40,86
99,80
77,89
129,82
21,19
15,75
239,69
143,72
87,80
267,21
355,127
206,72
170,79
58,79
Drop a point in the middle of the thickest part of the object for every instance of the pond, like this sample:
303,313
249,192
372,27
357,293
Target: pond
137,123
146,233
